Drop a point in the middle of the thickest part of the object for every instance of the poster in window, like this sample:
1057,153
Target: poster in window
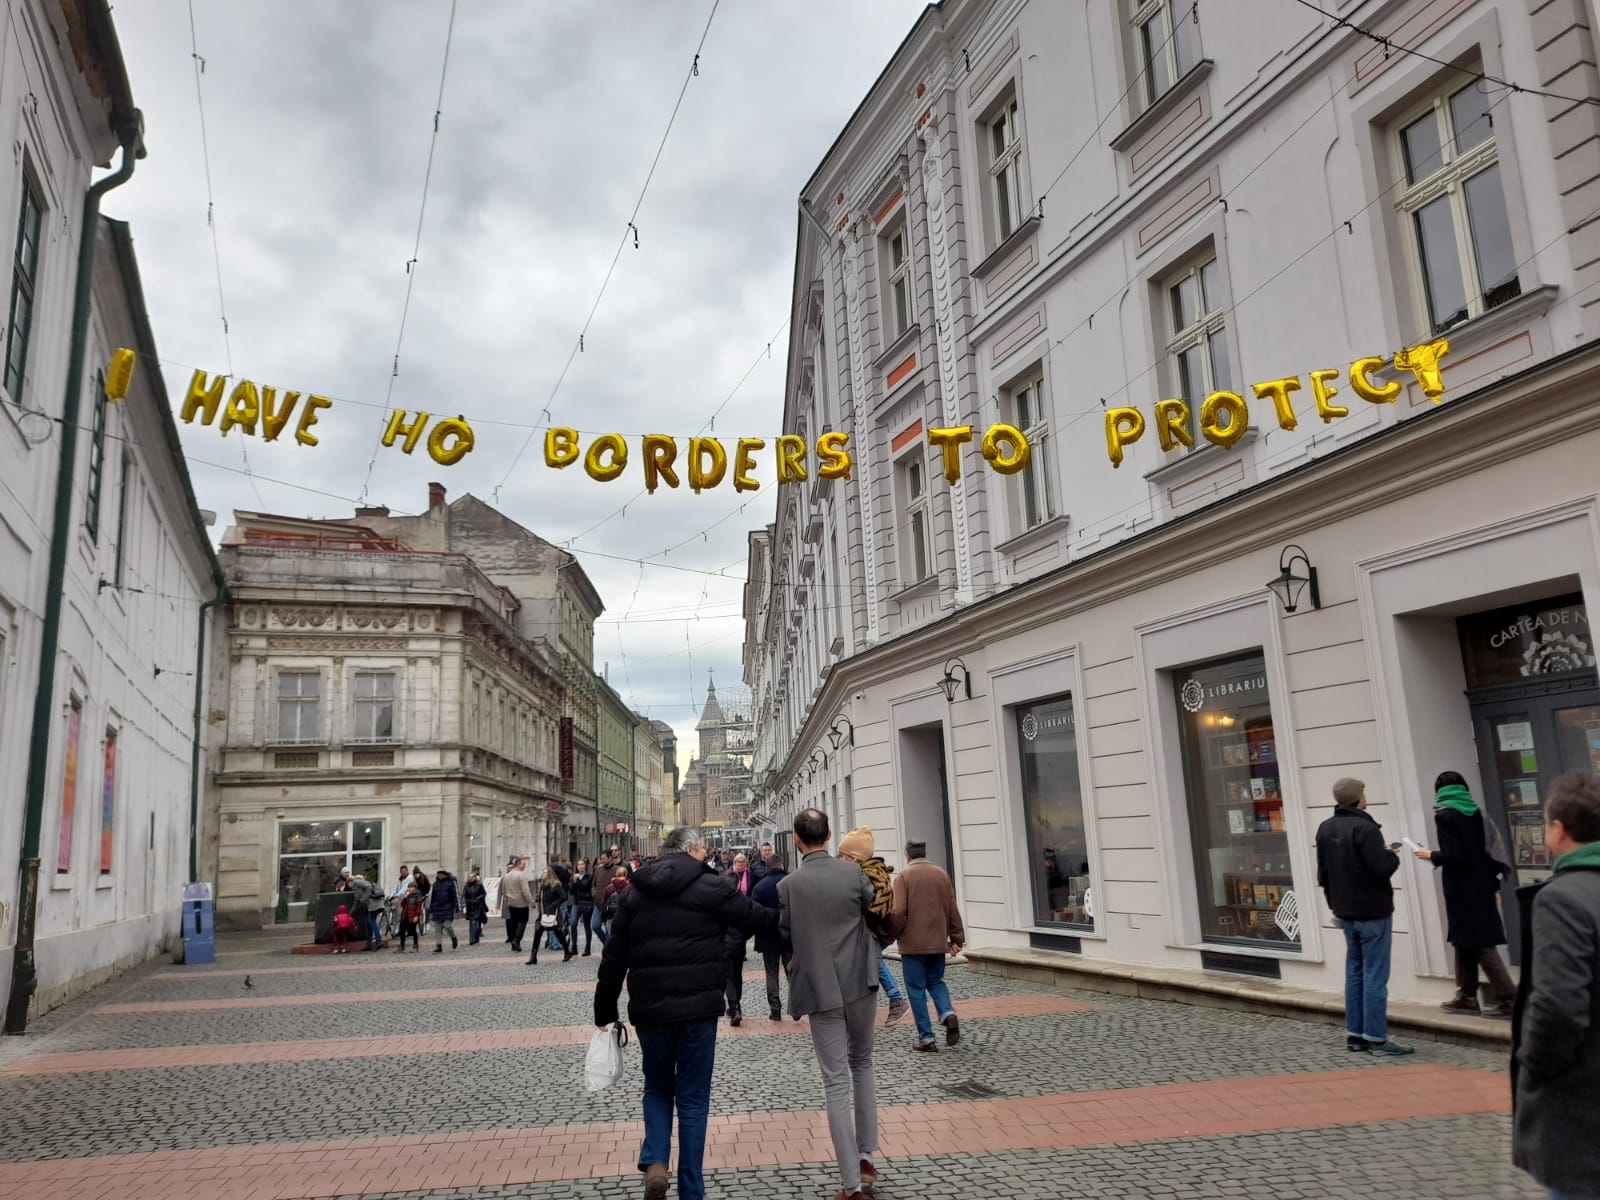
108,804
69,790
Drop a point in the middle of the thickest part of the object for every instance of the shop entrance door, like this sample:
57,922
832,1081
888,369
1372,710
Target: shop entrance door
1535,700
924,792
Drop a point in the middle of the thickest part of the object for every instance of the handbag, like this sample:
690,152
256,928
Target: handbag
547,920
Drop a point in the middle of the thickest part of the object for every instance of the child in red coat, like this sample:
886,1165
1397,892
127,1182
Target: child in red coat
343,926
410,919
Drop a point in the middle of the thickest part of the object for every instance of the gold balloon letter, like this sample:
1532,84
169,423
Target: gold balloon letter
950,442
244,406
308,418
1361,382
791,458
451,427
744,463
120,374
1172,424
203,399
1010,435
708,463
606,442
1123,426
833,460
1238,417
560,447
412,431
1423,362
274,418
1277,390
660,451
1320,390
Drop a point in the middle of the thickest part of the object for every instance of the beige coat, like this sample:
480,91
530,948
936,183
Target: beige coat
925,916
514,891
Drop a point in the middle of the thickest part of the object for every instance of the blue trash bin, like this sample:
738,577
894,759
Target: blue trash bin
198,910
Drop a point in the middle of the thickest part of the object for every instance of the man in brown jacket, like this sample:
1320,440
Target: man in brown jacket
929,926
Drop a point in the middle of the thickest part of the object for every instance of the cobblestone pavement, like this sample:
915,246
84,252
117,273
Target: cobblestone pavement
452,1076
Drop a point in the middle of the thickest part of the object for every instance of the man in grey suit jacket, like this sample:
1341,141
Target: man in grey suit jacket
833,979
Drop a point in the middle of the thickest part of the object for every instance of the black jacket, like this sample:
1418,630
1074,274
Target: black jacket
476,898
766,895
443,902
1555,1033
667,940
1354,865
733,942
551,897
1471,881
581,889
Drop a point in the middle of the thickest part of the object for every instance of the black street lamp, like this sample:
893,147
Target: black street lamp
949,682
837,735
1288,586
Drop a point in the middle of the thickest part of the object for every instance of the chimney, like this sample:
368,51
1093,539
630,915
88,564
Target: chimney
374,510
435,496
606,671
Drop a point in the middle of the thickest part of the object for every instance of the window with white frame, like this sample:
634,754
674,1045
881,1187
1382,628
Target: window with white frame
24,273
299,706
1003,137
374,700
1024,404
1197,345
1454,207
1163,45
896,283
97,460
917,556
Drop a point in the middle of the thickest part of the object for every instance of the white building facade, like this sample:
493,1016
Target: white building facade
1072,681
114,834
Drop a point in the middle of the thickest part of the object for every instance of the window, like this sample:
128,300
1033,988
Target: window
69,786
1455,208
1004,137
1243,870
108,804
914,499
24,271
122,516
897,292
1163,45
1198,348
478,856
375,707
97,460
312,854
299,706
1052,806
1026,403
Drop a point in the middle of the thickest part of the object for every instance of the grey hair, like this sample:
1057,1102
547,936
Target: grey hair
1347,792
684,837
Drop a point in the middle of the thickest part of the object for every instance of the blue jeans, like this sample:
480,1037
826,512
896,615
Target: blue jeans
678,1060
1366,978
597,924
1555,1195
924,976
886,979
474,931
374,934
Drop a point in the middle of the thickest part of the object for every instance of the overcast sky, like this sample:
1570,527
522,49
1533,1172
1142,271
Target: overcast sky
318,118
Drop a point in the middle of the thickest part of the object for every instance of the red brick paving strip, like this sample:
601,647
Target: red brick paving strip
445,1043
457,993
498,1157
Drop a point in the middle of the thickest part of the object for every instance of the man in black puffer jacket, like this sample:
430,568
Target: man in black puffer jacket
668,941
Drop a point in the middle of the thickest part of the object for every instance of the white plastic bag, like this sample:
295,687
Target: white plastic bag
603,1065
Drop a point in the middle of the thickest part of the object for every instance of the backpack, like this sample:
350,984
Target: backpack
878,872
612,906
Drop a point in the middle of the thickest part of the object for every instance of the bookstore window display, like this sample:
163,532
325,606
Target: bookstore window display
1052,804
1243,871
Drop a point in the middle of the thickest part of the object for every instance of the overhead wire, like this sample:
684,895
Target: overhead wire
416,247
199,64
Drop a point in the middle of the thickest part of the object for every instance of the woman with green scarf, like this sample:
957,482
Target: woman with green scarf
1473,857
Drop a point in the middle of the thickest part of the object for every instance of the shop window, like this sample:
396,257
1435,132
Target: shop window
1510,645
1454,206
1052,807
108,804
311,854
69,786
374,707
1243,874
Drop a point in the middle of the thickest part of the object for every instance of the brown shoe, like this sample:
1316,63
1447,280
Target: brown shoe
897,1009
1464,1005
926,1048
655,1181
869,1173
855,1195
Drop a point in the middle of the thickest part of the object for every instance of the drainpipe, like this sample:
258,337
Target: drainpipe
24,979
199,724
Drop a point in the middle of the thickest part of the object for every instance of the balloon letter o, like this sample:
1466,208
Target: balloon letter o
613,444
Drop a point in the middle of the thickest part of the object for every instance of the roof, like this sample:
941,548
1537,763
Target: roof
711,716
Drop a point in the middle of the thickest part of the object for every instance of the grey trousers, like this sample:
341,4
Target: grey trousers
842,1038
